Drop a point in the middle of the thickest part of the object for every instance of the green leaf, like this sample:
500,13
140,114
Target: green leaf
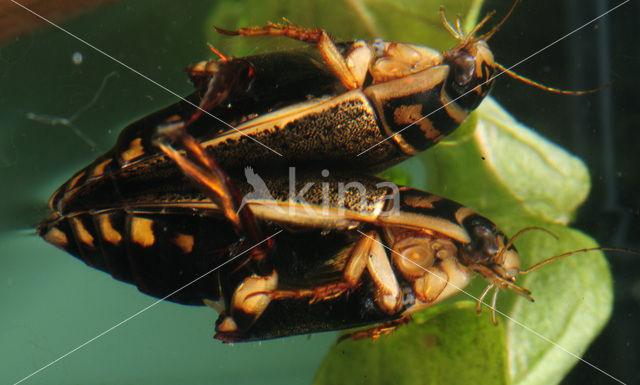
573,303
520,159
447,344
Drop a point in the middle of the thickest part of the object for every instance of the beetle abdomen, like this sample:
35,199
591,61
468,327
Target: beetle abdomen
158,252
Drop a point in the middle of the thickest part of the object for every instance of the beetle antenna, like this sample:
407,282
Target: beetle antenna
458,26
448,25
519,233
546,88
495,29
557,257
483,22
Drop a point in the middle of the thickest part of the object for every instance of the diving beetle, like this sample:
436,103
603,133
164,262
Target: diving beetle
332,105
341,259
357,105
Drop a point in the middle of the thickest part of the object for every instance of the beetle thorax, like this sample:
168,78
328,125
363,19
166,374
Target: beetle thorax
416,251
394,60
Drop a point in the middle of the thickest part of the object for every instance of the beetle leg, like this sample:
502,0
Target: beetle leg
216,79
367,253
248,302
351,277
201,168
327,48
384,328
320,293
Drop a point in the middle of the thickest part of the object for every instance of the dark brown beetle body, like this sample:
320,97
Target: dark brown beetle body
400,100
162,239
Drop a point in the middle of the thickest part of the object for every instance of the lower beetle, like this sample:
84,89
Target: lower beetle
343,256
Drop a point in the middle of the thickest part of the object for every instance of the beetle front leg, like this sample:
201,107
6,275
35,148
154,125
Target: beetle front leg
327,48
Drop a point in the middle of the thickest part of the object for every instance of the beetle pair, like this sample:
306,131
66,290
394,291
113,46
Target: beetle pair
164,207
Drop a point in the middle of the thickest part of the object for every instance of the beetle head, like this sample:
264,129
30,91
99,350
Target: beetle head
471,72
471,61
490,252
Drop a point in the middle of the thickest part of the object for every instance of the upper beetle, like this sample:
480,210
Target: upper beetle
358,104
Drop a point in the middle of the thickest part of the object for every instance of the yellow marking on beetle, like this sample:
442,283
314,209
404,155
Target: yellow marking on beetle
455,112
108,232
56,237
135,150
142,231
404,146
53,199
198,67
74,181
426,126
462,213
407,115
227,325
82,232
421,201
420,221
184,242
99,169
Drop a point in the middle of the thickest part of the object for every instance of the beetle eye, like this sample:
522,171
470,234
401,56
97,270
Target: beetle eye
464,67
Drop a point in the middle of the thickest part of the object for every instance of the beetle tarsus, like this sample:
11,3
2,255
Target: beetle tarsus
316,294
382,329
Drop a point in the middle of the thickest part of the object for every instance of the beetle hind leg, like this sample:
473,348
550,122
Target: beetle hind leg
316,294
202,169
381,329
327,48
